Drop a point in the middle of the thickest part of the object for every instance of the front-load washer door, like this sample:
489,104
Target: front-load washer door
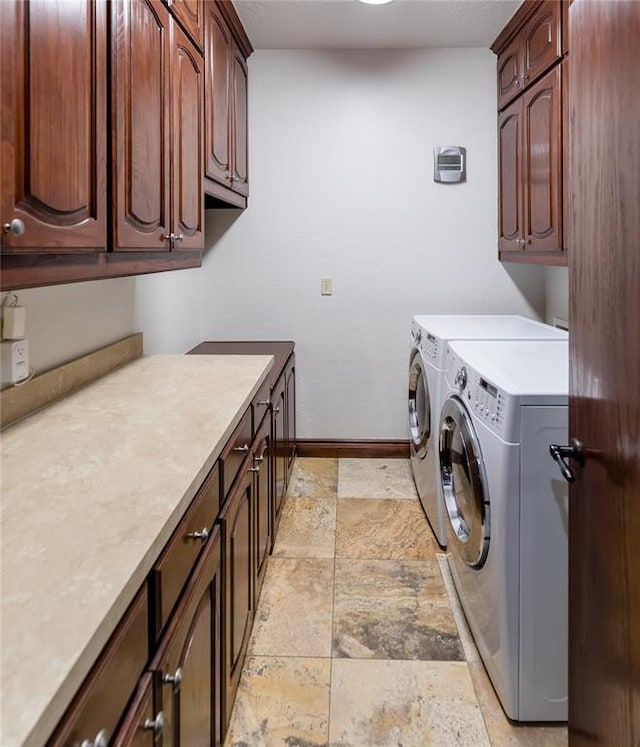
463,484
419,407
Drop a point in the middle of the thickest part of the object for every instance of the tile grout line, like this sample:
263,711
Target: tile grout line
333,602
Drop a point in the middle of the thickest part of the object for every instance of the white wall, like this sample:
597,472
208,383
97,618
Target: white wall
341,185
67,321
556,293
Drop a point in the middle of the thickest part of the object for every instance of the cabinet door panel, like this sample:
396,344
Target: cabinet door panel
278,439
53,121
240,175
509,72
511,178
541,40
238,563
291,417
262,501
141,113
136,729
190,13
191,648
218,57
542,129
187,106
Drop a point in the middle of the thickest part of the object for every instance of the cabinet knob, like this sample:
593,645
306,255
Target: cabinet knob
255,470
264,403
101,740
276,410
258,459
173,679
179,237
155,725
203,535
16,227
243,449
522,242
173,237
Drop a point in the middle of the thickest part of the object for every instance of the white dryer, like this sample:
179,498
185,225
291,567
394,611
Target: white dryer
429,337
507,507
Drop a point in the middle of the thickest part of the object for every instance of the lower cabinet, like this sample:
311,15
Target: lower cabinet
236,524
186,668
169,674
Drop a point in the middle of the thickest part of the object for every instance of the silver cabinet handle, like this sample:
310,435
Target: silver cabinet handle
276,410
155,725
203,535
244,449
173,679
173,237
254,469
264,403
16,227
259,459
522,242
101,740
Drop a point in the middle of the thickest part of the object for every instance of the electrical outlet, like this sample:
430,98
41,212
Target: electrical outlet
14,361
326,286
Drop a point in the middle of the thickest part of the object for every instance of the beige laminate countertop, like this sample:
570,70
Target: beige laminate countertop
92,488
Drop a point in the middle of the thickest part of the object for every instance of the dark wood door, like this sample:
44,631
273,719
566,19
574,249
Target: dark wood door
187,666
510,72
239,126
53,118
236,520
604,407
510,179
542,152
279,443
218,43
541,45
187,163
291,416
141,726
141,125
190,13
263,499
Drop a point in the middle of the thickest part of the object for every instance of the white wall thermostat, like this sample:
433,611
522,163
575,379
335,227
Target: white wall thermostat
450,164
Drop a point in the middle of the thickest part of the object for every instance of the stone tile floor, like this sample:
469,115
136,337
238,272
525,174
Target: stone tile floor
359,639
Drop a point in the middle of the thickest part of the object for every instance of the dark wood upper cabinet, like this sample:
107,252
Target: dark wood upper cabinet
528,46
532,169
187,107
190,14
141,126
53,121
226,51
542,130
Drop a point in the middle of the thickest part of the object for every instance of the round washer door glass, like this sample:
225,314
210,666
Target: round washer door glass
463,483
419,407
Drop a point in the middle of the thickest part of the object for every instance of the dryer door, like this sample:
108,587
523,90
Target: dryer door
464,484
419,406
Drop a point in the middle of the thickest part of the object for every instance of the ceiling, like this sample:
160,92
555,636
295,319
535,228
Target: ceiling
349,24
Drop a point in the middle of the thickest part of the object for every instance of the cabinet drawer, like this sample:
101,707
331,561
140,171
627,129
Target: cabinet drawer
260,405
105,693
235,451
178,558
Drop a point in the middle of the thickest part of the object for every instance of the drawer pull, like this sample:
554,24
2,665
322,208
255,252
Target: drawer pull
276,410
155,725
101,740
264,403
242,449
255,470
203,535
259,459
173,679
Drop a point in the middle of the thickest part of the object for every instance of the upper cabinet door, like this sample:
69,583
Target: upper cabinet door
542,114
509,72
53,121
140,63
187,107
190,13
510,178
218,58
541,45
239,129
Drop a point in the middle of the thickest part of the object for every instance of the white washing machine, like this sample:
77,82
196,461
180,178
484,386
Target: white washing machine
429,338
504,403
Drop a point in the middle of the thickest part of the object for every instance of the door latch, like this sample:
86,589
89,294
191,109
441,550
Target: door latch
562,453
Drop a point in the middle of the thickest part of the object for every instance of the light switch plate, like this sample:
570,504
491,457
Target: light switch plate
326,286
